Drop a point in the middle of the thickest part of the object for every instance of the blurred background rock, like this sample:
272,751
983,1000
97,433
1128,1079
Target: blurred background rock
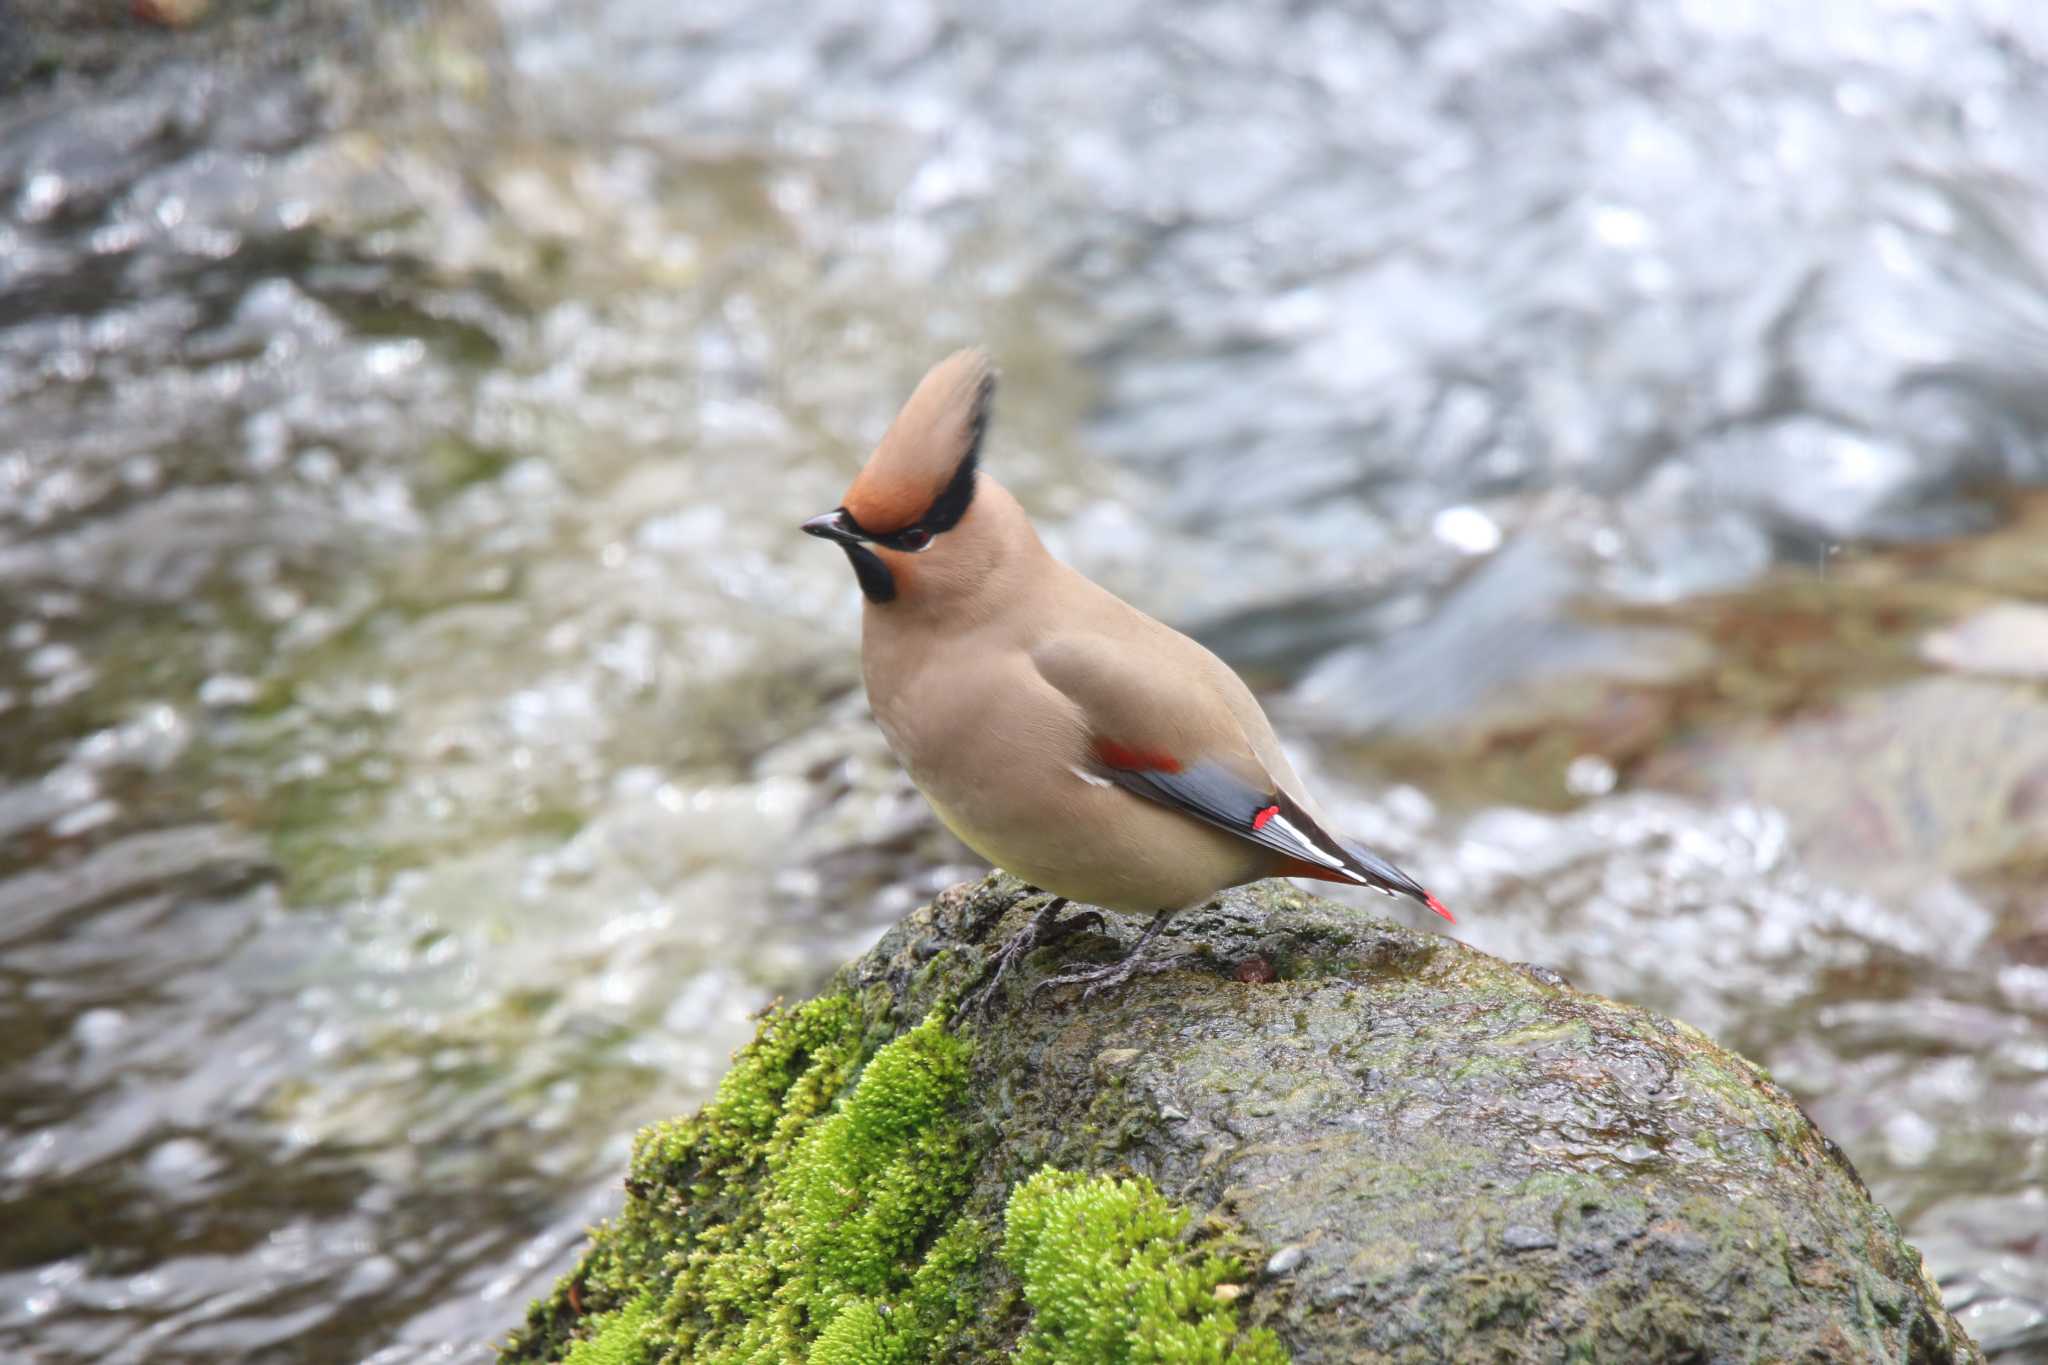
1610,434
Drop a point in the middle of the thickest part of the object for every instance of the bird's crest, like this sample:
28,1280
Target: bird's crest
927,457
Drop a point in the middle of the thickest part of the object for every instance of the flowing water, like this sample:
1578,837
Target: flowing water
1603,430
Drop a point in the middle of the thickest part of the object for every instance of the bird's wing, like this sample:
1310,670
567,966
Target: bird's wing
1159,729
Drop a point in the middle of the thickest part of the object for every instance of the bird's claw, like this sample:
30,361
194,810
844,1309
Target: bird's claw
1045,928
1135,962
1097,980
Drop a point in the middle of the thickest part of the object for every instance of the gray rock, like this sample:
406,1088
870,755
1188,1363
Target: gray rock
1522,1237
1489,1166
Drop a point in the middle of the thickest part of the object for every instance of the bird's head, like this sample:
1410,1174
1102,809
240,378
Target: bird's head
921,521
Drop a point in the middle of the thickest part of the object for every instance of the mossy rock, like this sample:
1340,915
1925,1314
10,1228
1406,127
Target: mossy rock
1324,1137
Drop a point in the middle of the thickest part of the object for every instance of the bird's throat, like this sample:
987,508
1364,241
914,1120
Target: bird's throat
877,584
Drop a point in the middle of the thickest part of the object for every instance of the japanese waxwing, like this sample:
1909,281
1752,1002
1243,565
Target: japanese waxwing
1060,732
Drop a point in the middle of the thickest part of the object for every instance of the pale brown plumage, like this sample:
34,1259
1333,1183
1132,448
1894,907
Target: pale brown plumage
1060,732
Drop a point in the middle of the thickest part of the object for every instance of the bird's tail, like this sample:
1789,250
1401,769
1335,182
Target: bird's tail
1362,867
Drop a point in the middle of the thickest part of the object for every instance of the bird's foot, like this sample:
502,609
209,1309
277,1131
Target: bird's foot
1134,963
979,918
1046,928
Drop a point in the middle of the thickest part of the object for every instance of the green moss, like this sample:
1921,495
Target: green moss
846,1207
1109,1279
935,1311
618,1340
793,1218
817,1210
795,1067
860,1335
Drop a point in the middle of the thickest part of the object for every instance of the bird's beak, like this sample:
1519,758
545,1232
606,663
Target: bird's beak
834,525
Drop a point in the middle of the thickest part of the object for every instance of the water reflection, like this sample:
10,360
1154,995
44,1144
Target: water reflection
423,740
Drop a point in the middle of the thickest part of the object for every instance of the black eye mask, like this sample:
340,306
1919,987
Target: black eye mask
943,515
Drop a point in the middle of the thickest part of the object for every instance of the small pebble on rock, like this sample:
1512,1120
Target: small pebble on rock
1285,1261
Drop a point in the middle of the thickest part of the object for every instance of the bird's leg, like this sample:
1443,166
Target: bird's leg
1116,973
975,928
1046,927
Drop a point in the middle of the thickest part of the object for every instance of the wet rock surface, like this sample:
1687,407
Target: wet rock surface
1439,1155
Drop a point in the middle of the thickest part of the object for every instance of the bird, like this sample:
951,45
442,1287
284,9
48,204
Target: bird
1062,734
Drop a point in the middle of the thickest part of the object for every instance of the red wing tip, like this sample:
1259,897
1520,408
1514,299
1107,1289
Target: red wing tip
1433,903
1259,820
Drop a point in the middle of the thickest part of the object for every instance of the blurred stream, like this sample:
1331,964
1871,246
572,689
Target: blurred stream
1612,435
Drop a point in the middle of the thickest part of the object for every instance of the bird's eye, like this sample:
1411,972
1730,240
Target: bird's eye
916,538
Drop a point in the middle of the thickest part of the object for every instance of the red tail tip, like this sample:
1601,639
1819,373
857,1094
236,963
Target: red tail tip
1433,903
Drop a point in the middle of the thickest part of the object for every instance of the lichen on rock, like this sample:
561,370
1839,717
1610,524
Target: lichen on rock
1422,1152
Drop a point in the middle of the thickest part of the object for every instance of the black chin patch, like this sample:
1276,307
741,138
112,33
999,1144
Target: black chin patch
877,584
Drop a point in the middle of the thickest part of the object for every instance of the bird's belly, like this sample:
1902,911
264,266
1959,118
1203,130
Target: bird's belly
1010,792
1099,845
